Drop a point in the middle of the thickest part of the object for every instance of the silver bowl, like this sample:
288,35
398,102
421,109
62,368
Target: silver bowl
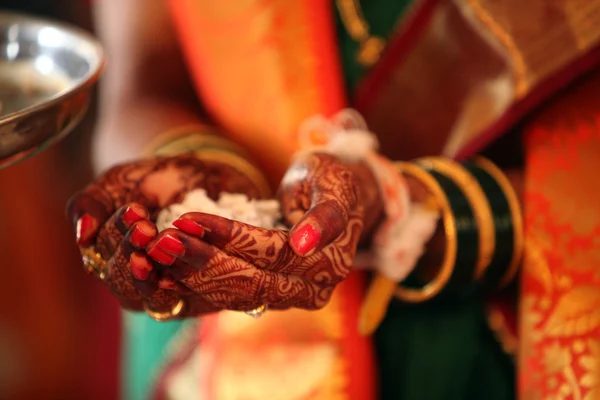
47,70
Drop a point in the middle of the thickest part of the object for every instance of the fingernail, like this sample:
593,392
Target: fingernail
131,215
140,267
305,239
171,245
139,238
85,227
189,226
167,284
160,256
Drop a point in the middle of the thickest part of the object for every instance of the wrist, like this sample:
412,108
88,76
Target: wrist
370,198
205,144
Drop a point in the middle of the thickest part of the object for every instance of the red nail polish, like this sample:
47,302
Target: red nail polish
131,216
140,267
305,239
167,284
139,238
85,227
160,256
189,226
171,245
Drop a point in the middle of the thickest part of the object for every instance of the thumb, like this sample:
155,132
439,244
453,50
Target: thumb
319,226
88,210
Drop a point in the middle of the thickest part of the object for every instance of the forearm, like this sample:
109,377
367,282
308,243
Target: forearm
146,89
125,134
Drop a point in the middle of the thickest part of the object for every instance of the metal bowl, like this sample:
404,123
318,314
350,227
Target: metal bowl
47,70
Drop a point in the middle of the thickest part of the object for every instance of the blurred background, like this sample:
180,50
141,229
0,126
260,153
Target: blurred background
58,327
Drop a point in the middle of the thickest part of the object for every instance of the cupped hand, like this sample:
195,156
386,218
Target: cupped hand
216,264
222,264
114,214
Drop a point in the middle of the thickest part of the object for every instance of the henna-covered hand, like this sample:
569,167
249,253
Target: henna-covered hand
114,214
222,264
216,264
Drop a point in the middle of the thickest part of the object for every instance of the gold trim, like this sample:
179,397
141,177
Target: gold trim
519,67
355,23
437,284
162,316
240,164
482,210
516,212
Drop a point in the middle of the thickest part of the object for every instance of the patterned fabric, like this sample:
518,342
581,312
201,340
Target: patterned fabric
560,306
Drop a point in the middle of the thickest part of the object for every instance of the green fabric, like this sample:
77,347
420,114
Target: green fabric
143,352
441,351
382,17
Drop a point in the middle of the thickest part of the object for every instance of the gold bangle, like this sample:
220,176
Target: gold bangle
189,138
479,203
434,287
162,316
201,141
515,210
239,163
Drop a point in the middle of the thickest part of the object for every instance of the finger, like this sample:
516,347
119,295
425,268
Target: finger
264,248
232,282
119,223
88,210
269,249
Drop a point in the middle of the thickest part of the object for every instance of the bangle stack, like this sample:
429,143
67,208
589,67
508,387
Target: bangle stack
205,143
482,226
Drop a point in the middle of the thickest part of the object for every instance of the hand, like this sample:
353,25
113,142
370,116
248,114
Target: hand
317,195
114,214
221,264
215,264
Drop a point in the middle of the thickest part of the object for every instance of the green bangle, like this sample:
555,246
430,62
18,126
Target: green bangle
509,222
502,223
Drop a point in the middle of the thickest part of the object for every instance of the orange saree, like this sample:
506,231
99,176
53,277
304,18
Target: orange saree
463,70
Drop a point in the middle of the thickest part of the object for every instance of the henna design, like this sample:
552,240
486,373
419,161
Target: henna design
231,265
319,191
145,186
239,267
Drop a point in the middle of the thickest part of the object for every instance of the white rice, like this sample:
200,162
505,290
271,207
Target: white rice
263,213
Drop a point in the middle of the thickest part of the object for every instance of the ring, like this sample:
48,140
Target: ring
258,311
162,316
93,262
